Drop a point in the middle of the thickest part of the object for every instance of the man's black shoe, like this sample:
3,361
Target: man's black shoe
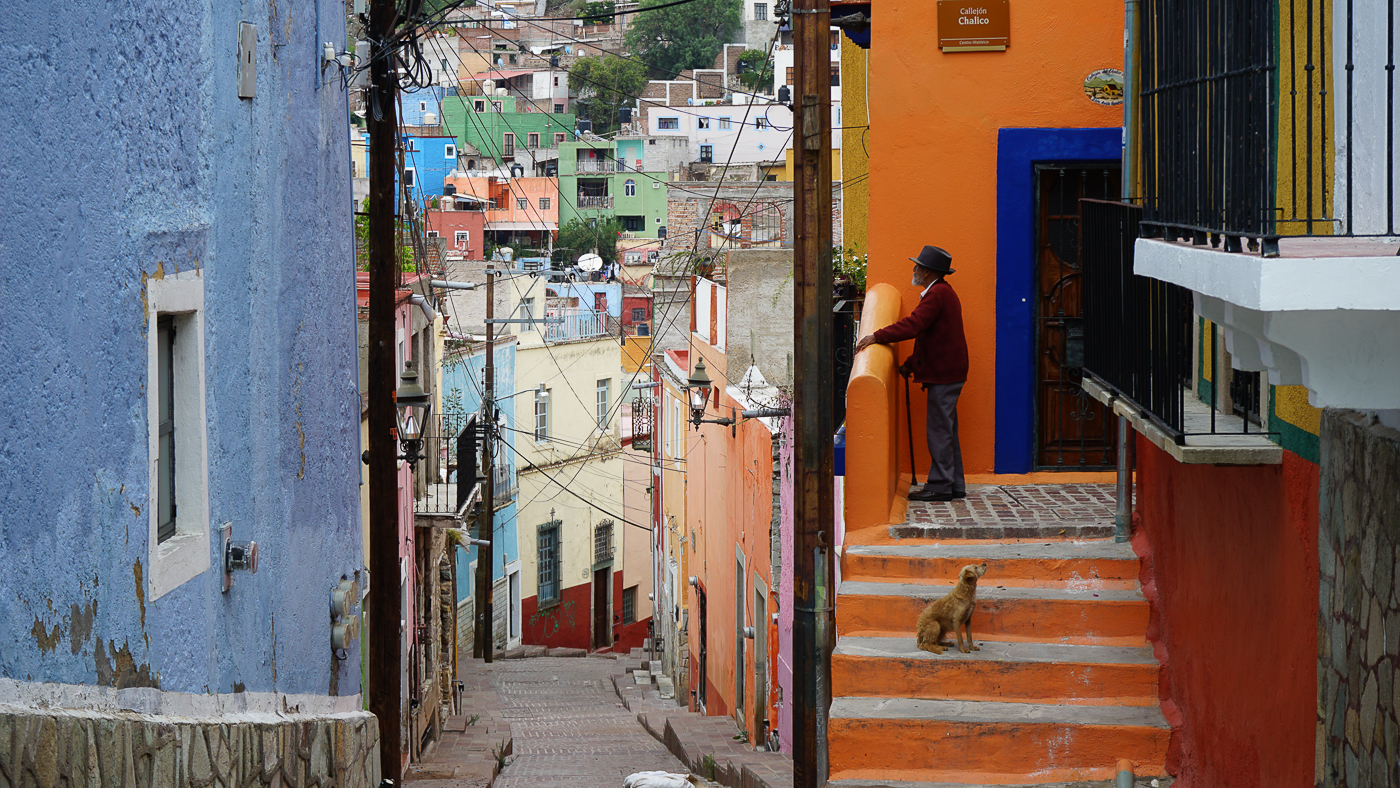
959,494
925,495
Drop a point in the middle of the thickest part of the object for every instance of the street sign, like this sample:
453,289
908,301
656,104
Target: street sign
974,25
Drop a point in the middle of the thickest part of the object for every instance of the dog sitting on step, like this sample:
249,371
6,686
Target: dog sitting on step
952,613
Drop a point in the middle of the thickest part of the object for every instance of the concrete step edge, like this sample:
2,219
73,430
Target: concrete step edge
957,711
987,590
998,651
1081,549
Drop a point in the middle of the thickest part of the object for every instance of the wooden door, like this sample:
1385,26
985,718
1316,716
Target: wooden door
602,618
1072,429
701,679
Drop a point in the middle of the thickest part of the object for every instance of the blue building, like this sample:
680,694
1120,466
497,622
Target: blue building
417,105
181,350
426,161
462,381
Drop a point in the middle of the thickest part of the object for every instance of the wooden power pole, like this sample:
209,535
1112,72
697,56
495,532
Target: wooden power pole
487,550
385,638
814,459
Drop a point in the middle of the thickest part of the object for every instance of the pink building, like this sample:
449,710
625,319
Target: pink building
524,210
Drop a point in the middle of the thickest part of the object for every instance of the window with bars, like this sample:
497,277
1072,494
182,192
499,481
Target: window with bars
760,11
558,135
165,416
629,605
668,123
602,541
549,563
603,392
707,154
544,203
522,203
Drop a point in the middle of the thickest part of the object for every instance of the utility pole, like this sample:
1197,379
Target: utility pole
385,636
814,460
486,551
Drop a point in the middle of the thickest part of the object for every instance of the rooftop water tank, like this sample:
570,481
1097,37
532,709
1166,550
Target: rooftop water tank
429,118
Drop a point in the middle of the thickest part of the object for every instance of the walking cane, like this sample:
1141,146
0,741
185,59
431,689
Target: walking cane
908,409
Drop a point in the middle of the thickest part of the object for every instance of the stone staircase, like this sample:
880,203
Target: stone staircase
1064,686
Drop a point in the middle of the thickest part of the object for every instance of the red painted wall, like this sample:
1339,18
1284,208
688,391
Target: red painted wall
566,624
630,636
1230,568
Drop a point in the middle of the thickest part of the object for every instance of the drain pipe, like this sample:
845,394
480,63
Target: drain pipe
1125,774
1123,517
1132,78
423,304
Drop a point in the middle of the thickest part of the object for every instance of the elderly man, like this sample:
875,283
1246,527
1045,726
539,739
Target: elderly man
939,362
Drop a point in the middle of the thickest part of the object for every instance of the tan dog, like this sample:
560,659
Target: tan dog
952,613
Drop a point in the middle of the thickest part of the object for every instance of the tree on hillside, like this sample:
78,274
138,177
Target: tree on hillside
578,237
604,83
756,70
671,40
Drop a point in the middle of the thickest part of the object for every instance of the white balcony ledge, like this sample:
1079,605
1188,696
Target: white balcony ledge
1324,314
1229,445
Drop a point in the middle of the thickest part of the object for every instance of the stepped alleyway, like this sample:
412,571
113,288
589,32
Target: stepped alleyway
1065,684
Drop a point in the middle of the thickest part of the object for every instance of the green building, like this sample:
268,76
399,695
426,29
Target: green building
624,177
492,125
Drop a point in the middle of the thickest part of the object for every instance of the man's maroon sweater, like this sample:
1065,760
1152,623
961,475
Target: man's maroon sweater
935,325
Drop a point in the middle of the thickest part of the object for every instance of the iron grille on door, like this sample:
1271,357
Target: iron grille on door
603,542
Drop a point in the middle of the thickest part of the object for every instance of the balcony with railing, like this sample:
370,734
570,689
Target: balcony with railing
598,165
444,478
576,323
1267,158
1139,333
603,201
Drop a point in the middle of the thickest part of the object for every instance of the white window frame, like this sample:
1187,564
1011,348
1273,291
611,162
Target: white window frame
410,177
186,554
461,237
629,188
542,418
702,123
432,233
602,403
422,106
450,152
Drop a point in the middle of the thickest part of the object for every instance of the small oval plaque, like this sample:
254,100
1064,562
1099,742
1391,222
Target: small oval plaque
1105,86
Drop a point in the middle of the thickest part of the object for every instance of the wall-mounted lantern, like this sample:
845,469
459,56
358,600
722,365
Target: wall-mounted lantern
699,387
414,405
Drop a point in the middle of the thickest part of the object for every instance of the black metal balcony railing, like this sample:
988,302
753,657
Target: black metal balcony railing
448,472
1237,127
445,476
1137,330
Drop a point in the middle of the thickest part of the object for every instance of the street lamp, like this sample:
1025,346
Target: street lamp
413,405
700,386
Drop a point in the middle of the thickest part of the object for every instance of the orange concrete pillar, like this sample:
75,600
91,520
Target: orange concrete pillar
872,473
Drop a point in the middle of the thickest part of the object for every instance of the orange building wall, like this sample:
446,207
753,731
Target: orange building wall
729,502
934,120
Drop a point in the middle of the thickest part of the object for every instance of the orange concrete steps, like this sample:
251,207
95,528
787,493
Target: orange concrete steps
1021,672
1100,564
1090,617
987,743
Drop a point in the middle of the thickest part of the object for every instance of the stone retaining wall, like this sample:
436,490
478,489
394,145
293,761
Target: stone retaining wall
1358,634
45,748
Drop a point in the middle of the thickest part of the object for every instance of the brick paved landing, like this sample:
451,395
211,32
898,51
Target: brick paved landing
1032,511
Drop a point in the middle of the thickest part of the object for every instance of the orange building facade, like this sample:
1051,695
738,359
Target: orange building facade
1003,144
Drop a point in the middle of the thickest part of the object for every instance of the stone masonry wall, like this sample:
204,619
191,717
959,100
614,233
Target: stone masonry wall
47,748
1358,635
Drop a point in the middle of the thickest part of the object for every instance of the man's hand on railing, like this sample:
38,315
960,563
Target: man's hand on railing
865,342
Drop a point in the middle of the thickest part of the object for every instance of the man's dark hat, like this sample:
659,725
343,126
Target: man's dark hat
935,259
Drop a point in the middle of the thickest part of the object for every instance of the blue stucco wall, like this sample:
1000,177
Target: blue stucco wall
417,103
128,151
461,376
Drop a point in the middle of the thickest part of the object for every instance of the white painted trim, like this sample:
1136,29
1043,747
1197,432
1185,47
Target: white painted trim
187,554
148,700
1276,284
